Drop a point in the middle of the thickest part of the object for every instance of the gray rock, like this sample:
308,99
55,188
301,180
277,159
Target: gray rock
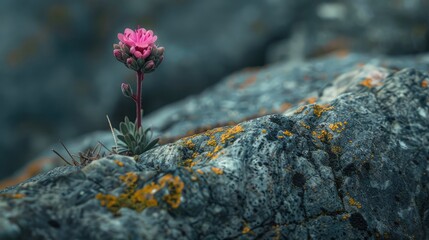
352,166
380,27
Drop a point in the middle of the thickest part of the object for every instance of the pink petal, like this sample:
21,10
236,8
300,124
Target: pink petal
128,31
132,50
138,54
146,53
121,37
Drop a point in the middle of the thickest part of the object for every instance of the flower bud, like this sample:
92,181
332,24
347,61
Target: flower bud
159,60
126,90
160,51
116,46
117,53
131,63
149,66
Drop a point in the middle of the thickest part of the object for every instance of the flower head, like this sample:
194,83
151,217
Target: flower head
139,41
137,50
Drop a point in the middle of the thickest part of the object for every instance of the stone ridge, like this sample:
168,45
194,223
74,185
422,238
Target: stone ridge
356,170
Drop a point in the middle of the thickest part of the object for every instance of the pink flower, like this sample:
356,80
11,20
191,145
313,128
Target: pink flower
139,41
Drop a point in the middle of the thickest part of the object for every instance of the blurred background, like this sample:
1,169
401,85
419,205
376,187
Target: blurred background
59,78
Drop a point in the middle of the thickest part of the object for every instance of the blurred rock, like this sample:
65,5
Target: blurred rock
59,78
379,27
352,166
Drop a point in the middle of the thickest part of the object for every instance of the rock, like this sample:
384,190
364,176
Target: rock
59,78
380,27
351,166
241,96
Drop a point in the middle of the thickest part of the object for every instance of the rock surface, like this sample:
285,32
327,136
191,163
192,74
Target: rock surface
353,165
61,56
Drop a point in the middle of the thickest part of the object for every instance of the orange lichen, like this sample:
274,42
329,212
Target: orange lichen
200,171
212,141
319,109
139,199
190,144
214,131
175,187
284,107
189,163
425,83
323,135
311,100
249,81
370,83
230,133
119,163
12,195
216,170
288,133
353,202
338,126
130,179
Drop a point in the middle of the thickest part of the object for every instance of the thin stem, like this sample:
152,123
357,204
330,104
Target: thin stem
140,77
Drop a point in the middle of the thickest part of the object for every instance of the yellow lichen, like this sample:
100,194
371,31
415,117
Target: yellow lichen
189,144
353,202
212,141
288,133
230,133
119,163
280,137
246,229
175,187
200,171
214,131
264,131
323,135
129,178
345,216
216,170
319,109
139,199
304,125
338,126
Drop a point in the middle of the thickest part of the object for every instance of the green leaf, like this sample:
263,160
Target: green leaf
124,128
151,144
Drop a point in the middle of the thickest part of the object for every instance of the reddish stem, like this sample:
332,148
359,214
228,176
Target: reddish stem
138,100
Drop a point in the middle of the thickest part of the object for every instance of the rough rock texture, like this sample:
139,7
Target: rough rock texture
243,95
352,166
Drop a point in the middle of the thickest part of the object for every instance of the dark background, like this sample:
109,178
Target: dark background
59,79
